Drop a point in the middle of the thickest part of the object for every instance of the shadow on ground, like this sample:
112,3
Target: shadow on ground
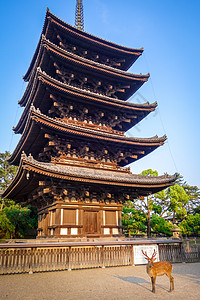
140,281
191,274
191,277
136,280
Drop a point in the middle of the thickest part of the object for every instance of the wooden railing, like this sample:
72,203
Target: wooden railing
42,257
175,253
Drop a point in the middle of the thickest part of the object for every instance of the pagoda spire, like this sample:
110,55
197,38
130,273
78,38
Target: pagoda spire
79,20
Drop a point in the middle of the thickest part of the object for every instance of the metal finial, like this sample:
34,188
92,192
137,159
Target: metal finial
79,21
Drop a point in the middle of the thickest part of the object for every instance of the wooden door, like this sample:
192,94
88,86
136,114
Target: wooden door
90,221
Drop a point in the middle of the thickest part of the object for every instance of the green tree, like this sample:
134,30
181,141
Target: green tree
147,204
16,221
7,172
162,201
191,225
179,179
197,210
7,229
178,200
173,201
185,228
160,225
193,193
134,221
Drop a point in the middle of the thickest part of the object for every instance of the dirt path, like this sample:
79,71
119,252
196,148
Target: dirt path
109,284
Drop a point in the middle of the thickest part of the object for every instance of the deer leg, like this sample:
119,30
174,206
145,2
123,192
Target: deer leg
153,281
171,283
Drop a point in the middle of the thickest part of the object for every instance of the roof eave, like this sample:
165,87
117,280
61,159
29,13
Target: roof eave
49,17
28,164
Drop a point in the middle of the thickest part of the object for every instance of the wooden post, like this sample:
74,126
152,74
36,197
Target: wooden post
132,256
69,259
31,259
102,257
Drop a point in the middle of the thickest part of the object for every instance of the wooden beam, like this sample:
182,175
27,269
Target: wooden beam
58,72
65,192
51,143
134,156
41,183
46,149
53,97
46,190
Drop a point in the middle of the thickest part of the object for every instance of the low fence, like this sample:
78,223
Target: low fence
28,258
177,253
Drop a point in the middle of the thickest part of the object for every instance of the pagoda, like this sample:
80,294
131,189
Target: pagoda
73,152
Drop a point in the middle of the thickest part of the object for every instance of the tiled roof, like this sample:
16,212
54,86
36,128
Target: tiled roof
92,37
83,61
134,81
105,175
58,84
63,126
35,116
85,175
79,33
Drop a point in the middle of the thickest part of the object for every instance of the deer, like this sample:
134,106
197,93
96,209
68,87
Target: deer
159,268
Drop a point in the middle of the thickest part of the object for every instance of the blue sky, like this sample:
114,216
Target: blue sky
169,32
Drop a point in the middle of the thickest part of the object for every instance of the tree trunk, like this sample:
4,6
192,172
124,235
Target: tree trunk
149,225
148,230
148,220
2,204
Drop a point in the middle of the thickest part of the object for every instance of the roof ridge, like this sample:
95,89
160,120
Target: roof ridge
87,171
80,31
95,94
44,39
41,75
136,139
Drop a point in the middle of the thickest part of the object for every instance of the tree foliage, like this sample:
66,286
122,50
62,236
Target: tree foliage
6,227
134,221
193,193
147,204
191,225
15,220
7,172
173,201
178,201
160,225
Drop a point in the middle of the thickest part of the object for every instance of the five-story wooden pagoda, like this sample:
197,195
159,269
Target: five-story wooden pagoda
73,150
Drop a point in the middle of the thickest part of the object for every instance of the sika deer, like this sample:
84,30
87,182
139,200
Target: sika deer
159,268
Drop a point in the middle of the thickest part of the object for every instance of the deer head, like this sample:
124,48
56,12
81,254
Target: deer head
150,260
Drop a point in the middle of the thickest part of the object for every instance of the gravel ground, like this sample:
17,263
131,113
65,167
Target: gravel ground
108,283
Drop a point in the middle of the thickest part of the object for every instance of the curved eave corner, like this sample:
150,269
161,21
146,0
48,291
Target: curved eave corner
6,193
35,116
84,175
133,53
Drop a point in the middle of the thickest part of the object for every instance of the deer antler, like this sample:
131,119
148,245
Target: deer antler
154,254
145,254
